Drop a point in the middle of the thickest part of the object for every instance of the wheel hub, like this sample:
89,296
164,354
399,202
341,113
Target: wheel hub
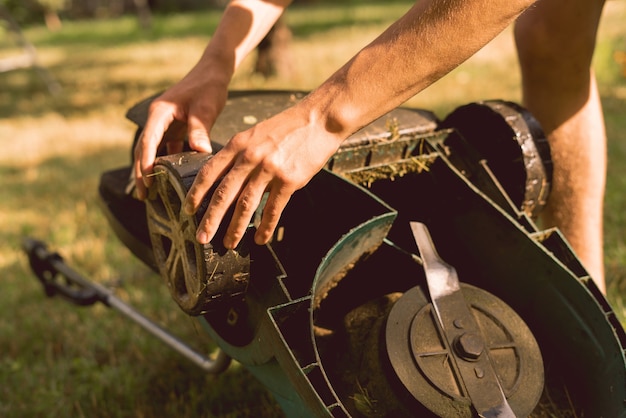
468,352
198,276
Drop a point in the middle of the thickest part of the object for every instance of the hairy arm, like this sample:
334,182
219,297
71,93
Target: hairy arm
280,155
197,100
430,40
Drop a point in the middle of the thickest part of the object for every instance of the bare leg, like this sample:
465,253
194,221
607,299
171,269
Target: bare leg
555,42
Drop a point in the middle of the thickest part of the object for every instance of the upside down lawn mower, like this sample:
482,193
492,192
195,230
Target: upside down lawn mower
407,278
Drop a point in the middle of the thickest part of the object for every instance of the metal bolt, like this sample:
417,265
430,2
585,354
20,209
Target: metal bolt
232,317
469,346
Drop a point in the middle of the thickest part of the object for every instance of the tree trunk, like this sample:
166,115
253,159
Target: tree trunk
53,21
273,57
144,13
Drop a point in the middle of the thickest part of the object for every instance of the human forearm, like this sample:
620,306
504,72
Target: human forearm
241,28
281,154
430,40
197,100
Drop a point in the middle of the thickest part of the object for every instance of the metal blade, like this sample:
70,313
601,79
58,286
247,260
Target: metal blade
461,331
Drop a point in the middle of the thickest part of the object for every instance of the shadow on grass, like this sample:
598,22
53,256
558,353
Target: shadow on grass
85,72
24,93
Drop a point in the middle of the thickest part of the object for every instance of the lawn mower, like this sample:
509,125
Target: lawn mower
408,278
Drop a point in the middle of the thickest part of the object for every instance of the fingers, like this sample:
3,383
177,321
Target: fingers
174,147
145,153
174,137
276,203
202,116
163,125
223,196
247,190
246,206
146,148
140,188
198,133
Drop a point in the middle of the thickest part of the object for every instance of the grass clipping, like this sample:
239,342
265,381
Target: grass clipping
369,175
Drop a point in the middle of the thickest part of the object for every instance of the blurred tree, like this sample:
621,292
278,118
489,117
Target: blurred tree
20,10
144,13
27,58
32,11
273,52
51,9
273,57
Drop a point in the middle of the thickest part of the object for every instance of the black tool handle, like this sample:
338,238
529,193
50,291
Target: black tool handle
58,279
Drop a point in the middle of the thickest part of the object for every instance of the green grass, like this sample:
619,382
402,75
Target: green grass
60,360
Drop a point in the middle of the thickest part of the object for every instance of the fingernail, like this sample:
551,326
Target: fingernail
202,237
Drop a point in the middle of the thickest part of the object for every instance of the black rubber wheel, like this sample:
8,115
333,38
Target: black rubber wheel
514,145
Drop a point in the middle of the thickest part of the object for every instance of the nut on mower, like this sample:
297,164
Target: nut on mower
407,278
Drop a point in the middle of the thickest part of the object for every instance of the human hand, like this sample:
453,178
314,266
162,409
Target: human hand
194,103
278,156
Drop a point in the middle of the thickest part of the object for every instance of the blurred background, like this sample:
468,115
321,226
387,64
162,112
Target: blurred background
69,70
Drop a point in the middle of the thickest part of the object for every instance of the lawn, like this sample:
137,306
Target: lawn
58,360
